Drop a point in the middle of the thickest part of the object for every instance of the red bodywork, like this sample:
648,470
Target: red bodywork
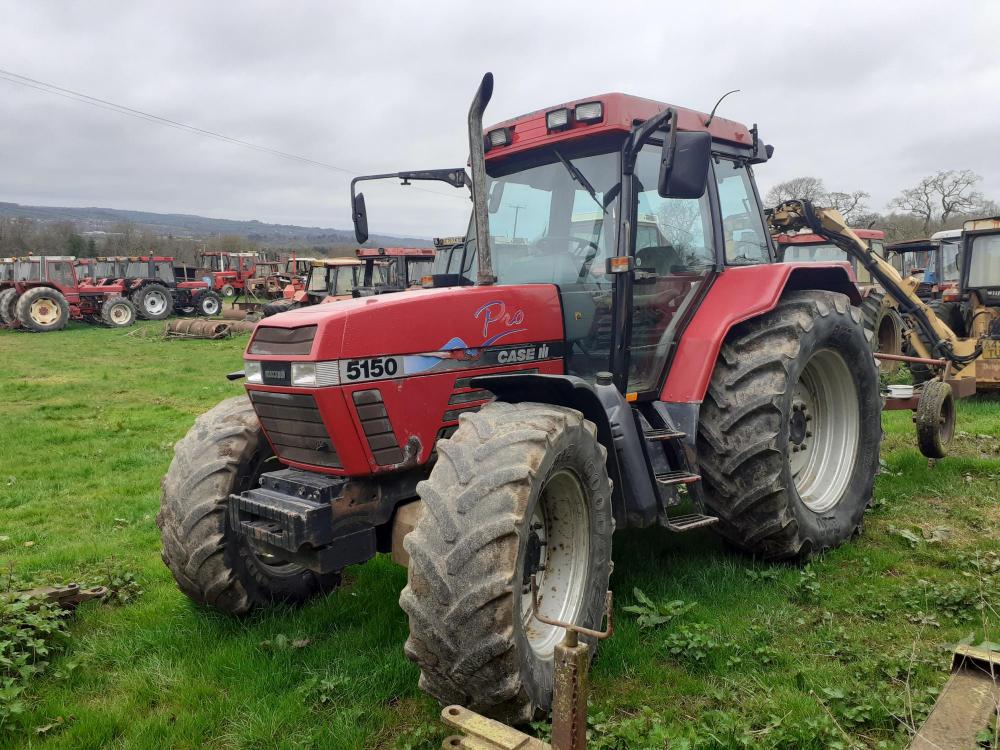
736,295
420,322
240,268
83,299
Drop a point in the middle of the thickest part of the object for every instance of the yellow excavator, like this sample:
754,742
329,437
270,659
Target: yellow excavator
948,362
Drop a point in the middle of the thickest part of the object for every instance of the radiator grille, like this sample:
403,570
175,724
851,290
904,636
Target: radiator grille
378,430
272,340
295,428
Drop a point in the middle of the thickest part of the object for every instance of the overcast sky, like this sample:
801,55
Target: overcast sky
866,95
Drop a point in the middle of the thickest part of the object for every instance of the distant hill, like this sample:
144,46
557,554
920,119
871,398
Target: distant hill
197,227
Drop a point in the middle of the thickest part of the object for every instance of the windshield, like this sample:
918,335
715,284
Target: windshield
136,270
912,263
984,261
104,269
418,267
814,253
950,252
317,280
346,280
545,226
27,270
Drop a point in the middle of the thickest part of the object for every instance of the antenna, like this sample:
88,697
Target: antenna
712,115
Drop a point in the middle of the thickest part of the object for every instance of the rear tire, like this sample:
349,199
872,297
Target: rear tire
153,302
8,300
42,309
518,488
208,304
935,419
280,306
225,452
118,312
885,327
789,432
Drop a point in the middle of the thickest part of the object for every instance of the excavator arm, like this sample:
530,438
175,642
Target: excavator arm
936,339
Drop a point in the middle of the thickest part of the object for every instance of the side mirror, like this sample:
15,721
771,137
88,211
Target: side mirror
360,216
496,195
684,164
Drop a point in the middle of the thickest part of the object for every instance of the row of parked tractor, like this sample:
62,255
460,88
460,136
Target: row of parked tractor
43,293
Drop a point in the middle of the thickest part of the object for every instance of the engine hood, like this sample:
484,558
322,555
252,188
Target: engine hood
421,321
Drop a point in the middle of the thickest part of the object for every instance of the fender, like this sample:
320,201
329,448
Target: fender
739,294
634,499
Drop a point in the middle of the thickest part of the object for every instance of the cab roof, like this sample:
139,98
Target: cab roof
620,113
335,262
987,224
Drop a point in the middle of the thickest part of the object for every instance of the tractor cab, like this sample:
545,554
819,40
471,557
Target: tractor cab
981,261
393,269
811,248
933,262
332,279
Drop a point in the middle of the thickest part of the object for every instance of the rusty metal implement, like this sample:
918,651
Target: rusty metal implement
569,696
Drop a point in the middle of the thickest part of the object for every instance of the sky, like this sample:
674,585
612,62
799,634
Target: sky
867,96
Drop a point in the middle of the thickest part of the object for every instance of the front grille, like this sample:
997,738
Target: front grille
378,430
272,340
295,428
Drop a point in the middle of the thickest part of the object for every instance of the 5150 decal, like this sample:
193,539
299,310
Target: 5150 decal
357,370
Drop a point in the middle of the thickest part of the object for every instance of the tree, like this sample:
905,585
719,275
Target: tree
940,196
808,188
852,206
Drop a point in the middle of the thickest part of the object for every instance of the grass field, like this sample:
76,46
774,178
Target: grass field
847,652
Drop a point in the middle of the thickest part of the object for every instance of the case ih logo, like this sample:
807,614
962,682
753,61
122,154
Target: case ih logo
522,354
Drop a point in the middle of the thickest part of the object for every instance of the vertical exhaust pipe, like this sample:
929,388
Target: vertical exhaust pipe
477,156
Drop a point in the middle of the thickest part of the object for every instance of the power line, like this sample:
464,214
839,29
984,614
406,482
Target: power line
121,109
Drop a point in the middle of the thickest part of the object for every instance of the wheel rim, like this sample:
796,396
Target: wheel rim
44,311
557,552
210,306
120,314
155,302
947,421
824,429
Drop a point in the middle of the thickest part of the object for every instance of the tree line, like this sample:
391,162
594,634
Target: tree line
943,200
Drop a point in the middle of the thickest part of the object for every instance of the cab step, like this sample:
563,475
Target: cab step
688,522
671,478
663,433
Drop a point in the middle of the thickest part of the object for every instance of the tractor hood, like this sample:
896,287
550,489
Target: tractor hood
424,327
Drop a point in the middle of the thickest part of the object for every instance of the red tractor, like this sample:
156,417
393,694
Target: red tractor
499,430
45,294
393,269
227,272
152,285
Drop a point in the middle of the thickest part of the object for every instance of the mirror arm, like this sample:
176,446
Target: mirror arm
641,135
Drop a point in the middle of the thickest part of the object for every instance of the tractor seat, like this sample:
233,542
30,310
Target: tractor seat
662,260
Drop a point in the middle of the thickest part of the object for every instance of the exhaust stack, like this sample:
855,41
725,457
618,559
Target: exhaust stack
477,157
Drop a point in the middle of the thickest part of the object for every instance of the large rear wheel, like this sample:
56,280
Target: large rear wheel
42,309
224,453
518,489
8,299
789,433
885,328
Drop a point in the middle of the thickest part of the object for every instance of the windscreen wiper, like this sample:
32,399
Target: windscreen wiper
578,176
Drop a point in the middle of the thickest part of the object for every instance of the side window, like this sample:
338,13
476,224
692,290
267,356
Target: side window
742,226
878,247
61,273
165,272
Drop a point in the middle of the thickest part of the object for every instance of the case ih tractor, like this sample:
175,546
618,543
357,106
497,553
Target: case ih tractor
227,273
569,387
45,294
151,283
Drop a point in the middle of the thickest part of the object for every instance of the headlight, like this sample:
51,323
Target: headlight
254,372
303,373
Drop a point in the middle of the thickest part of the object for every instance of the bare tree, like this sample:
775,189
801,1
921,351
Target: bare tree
808,188
852,206
939,196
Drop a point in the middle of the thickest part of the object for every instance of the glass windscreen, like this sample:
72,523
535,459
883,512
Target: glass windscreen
984,261
27,270
950,252
417,268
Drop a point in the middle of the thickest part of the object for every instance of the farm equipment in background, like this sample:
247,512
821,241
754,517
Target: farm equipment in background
945,363
885,324
152,285
329,280
393,269
503,428
227,272
45,294
101,270
933,261
266,281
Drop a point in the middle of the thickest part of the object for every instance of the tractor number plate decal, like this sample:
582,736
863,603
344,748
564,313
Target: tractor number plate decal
373,368
277,373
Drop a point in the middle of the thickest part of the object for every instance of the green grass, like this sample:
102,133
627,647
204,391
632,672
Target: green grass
851,648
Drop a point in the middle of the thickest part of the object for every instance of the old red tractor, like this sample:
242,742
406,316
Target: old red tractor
227,273
393,269
45,294
563,386
152,285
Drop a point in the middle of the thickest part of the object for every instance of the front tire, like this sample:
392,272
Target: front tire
224,453
42,309
228,291
153,302
790,429
519,488
885,327
117,312
208,304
